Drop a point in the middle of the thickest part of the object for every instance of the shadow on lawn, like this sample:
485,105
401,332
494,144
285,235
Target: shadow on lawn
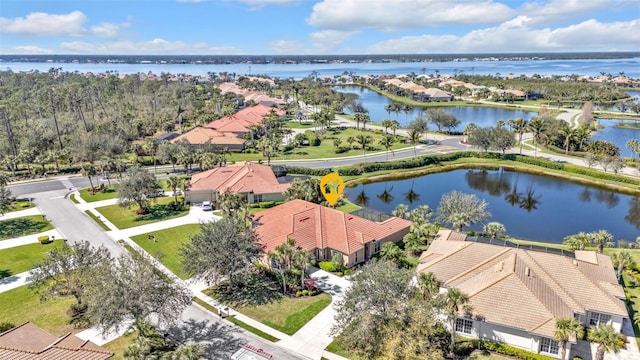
4,274
20,226
160,212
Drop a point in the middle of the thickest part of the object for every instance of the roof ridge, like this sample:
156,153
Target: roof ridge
346,231
441,258
609,297
534,296
574,302
497,280
479,265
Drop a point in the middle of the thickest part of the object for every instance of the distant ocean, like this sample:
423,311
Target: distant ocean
589,67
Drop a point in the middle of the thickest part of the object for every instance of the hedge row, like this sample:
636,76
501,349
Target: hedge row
511,351
426,160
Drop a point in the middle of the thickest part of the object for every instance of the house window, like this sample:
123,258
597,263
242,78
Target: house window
597,319
356,256
257,198
376,247
464,326
548,346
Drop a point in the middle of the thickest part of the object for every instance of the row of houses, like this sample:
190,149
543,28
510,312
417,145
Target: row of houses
516,294
230,132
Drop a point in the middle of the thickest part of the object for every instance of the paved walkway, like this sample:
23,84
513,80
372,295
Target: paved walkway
28,239
16,214
13,281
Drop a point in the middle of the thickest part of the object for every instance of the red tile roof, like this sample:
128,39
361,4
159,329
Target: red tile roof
316,226
200,135
548,286
244,119
241,177
28,341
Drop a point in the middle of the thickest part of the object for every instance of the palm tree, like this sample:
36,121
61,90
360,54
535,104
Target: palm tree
607,338
395,125
454,302
89,171
390,251
175,183
400,211
566,329
520,127
621,260
414,139
301,259
407,109
569,133
537,126
385,196
387,142
350,141
582,136
282,258
386,124
577,241
602,238
411,196
363,140
530,201
362,199
494,229
428,284
388,108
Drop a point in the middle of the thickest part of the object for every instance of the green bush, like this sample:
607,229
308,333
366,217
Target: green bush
511,351
305,292
267,204
44,239
327,266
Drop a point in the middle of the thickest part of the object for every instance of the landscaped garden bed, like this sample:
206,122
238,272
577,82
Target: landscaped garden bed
98,194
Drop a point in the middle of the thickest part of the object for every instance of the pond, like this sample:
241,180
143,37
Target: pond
481,116
618,136
530,206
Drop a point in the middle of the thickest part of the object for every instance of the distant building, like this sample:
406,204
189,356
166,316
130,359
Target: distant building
202,135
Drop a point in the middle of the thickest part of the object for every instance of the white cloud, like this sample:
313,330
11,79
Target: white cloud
560,10
26,50
516,36
329,41
404,14
267,2
286,47
156,46
39,23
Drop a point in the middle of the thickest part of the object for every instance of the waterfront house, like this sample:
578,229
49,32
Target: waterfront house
202,135
325,231
241,122
517,294
256,182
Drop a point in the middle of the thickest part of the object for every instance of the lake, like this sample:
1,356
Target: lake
543,208
480,116
618,136
589,67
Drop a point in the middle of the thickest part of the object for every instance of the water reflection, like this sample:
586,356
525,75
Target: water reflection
530,206
633,216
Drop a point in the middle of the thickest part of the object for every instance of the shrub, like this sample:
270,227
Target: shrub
267,204
327,266
511,351
4,326
44,239
304,292
299,293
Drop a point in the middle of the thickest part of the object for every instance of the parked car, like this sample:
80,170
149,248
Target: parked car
207,206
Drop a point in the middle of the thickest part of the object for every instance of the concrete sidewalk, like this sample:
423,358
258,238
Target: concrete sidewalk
20,213
13,281
28,239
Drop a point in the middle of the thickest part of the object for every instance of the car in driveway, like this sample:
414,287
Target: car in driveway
207,206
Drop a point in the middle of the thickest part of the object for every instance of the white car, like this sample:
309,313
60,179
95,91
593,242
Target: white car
207,206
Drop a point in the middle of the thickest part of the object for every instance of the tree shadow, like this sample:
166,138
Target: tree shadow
160,212
219,340
21,226
5,274
255,289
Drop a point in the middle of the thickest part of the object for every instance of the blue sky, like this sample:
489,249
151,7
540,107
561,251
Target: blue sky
281,27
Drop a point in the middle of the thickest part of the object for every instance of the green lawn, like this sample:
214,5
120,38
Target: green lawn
348,206
107,193
336,348
23,258
632,289
125,218
21,305
119,345
20,204
167,246
289,314
22,226
98,221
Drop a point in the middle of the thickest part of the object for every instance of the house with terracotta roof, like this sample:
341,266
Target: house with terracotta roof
517,293
29,342
324,231
202,135
256,182
241,122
